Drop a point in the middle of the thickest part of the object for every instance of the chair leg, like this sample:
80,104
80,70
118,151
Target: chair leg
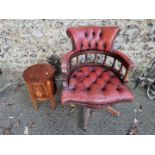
112,111
86,118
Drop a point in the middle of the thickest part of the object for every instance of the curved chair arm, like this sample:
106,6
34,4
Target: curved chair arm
125,60
65,63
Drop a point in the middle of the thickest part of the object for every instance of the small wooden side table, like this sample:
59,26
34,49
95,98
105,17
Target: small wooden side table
40,82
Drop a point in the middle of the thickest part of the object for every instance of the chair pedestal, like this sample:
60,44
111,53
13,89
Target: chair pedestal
88,112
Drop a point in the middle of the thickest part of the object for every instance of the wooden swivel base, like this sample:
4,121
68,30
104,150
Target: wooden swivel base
88,111
112,111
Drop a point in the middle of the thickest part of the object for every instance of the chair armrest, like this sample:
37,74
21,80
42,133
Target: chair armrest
65,61
127,62
65,64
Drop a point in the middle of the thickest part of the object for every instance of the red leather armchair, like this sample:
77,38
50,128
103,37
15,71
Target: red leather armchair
95,75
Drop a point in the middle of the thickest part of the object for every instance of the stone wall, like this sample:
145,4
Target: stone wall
26,42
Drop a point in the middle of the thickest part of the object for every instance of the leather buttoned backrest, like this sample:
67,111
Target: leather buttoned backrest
92,38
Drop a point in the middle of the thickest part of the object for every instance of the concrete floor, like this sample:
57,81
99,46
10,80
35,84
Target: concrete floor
17,116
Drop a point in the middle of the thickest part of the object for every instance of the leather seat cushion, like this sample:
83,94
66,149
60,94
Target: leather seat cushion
95,87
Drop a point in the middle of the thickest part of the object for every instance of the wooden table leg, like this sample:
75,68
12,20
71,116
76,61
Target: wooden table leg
53,102
52,98
34,102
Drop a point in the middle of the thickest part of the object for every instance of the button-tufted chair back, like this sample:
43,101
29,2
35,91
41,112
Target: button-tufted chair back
92,38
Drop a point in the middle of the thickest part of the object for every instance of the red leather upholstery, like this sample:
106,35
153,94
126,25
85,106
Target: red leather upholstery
95,87
89,38
94,84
